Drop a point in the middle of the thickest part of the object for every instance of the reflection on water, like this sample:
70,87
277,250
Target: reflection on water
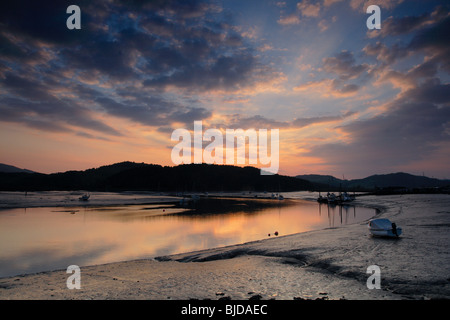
49,238
339,214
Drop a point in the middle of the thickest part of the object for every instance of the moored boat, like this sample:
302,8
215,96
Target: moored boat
331,197
84,197
345,197
384,228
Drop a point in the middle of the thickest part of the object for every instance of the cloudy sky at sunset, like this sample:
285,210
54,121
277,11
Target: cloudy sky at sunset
347,100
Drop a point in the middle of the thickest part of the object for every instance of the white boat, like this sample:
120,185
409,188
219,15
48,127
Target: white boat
384,228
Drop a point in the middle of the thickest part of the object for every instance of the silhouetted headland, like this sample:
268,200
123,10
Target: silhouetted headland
131,176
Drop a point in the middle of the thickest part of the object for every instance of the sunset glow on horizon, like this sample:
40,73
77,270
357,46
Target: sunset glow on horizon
346,100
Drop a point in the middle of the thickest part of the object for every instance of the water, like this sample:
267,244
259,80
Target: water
43,238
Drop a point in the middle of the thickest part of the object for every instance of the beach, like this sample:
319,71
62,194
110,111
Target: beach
322,264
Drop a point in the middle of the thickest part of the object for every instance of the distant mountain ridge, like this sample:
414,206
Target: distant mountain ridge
391,180
9,169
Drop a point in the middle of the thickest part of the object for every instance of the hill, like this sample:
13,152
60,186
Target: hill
130,176
324,181
9,169
397,180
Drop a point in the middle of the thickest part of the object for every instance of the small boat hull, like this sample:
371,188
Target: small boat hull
384,228
385,233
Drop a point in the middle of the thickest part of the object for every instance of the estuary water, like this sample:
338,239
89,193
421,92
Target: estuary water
51,230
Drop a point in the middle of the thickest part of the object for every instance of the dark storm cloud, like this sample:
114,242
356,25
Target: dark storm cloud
432,91
415,123
429,34
429,39
393,26
411,130
433,37
384,53
43,21
29,102
139,48
345,70
344,65
17,111
162,43
258,121
434,41
13,52
189,115
181,8
51,116
25,88
154,112
222,73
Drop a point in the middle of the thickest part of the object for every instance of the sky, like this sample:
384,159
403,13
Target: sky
348,101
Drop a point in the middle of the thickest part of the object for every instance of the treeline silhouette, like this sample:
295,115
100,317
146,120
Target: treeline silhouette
131,176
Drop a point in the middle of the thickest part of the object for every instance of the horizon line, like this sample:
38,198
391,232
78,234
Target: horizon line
229,165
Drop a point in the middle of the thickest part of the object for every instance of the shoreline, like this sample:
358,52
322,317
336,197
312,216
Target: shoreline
149,198
329,263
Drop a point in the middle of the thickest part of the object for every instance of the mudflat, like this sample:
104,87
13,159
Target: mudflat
322,264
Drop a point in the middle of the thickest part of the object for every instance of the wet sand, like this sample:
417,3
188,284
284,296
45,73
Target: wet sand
321,264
